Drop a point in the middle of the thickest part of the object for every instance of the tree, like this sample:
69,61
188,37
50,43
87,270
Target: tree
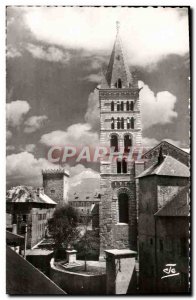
63,228
88,243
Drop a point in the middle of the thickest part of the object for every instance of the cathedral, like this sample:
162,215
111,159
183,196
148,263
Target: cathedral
120,130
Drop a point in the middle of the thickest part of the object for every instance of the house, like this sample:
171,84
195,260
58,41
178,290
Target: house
163,226
29,208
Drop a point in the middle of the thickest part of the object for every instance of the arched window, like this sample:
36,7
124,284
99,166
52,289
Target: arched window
112,106
122,123
118,106
127,143
118,164
122,105
112,123
127,105
119,83
131,105
123,207
132,122
114,142
118,123
124,166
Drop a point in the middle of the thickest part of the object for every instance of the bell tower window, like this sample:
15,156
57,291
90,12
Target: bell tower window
119,83
118,123
122,123
127,143
118,106
112,123
124,166
127,105
131,105
112,106
114,142
132,123
122,106
118,164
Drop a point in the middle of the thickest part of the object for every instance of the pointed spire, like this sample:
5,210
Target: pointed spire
118,74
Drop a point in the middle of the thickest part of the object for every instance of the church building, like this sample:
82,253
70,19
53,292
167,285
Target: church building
121,131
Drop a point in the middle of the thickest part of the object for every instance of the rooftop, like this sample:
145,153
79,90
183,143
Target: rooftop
24,194
178,206
22,278
169,166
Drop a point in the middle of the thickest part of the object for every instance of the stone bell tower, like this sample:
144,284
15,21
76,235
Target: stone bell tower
120,128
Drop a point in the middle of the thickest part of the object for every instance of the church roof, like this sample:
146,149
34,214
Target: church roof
169,166
118,67
166,144
178,206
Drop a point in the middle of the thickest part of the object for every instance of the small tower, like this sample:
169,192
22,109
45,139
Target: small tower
120,128
56,184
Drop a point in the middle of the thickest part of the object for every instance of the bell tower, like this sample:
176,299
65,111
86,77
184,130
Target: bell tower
120,130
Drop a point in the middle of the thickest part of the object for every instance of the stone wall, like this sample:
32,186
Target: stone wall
78,284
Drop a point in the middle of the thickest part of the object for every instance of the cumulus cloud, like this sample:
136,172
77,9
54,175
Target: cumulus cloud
77,134
8,134
10,148
149,142
80,172
24,168
156,109
50,53
15,112
28,148
33,123
93,78
92,115
153,32
12,52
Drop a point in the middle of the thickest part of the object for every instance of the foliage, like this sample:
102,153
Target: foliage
63,228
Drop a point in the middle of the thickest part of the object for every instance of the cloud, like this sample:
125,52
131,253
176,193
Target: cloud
150,142
12,52
10,148
152,33
33,123
8,134
24,168
15,112
50,53
156,109
77,134
93,78
28,148
92,115
80,172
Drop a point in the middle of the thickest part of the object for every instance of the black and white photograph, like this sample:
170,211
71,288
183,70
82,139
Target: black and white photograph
98,138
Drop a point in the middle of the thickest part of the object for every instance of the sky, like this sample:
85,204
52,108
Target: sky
55,60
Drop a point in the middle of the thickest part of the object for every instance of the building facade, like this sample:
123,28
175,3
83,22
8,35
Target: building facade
29,210
120,131
163,225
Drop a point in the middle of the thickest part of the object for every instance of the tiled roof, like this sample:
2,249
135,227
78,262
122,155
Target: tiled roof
163,143
168,167
178,206
22,194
